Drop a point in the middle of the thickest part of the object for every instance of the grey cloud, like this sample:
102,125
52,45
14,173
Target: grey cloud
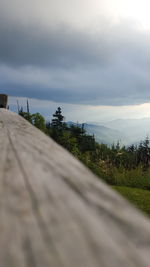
108,65
61,47
112,88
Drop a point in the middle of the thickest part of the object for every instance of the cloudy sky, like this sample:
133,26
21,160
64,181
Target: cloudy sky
92,57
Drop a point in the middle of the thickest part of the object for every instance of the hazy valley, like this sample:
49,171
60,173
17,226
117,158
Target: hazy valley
127,131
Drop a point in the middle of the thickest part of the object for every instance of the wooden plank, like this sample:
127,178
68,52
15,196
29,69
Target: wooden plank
55,212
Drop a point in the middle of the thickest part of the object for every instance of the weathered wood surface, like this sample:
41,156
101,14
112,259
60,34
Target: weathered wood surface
55,213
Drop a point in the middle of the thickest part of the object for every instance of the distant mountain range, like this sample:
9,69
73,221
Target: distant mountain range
103,134
126,131
134,129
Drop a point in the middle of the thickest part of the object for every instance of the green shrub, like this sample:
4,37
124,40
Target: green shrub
132,178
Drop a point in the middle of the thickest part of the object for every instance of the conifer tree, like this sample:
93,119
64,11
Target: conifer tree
57,122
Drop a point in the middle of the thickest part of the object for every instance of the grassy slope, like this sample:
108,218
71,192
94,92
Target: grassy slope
139,197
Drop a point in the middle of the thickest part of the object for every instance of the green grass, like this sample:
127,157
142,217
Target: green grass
139,197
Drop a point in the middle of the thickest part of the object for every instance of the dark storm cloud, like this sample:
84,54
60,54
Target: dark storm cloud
106,65
54,47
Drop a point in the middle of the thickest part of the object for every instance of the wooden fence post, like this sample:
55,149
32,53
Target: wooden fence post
3,101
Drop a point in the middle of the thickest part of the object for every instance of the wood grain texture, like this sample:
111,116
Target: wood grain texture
55,213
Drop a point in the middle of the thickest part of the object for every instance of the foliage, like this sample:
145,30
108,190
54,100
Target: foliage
36,119
57,121
133,177
126,166
25,115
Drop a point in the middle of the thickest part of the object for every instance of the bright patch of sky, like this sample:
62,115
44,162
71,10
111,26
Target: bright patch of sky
82,113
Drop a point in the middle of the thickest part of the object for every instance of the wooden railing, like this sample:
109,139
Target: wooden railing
55,213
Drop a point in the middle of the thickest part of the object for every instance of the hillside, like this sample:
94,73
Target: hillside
104,134
134,129
129,131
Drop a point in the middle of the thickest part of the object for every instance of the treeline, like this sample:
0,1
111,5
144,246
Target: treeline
116,164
